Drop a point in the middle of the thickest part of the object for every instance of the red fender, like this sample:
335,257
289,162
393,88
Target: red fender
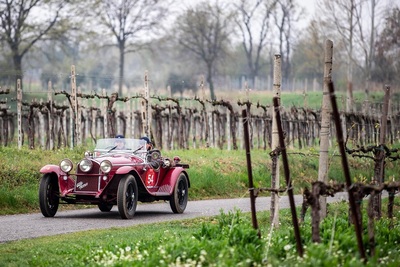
123,170
65,185
52,168
171,177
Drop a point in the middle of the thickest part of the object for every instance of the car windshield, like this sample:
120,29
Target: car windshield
111,145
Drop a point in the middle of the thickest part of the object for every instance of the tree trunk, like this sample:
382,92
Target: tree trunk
210,82
18,68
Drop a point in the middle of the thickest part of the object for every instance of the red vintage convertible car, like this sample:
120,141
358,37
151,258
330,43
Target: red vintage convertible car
111,175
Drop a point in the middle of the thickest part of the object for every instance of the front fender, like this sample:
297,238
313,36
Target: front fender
125,170
172,176
65,185
52,168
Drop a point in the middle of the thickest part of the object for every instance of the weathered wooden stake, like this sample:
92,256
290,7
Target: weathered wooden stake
339,136
379,169
288,180
250,172
275,143
73,109
106,115
19,112
325,124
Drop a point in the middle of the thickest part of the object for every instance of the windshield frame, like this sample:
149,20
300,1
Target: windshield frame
108,145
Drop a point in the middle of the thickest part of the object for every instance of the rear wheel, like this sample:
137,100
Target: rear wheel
179,197
104,207
127,196
49,195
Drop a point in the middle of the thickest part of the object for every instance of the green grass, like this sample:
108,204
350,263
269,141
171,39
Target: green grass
225,240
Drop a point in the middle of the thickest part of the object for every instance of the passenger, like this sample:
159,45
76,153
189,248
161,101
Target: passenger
120,142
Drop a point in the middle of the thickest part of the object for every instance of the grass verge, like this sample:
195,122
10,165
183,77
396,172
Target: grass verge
225,240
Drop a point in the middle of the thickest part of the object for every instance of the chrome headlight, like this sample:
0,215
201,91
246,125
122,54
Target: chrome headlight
66,165
105,166
85,165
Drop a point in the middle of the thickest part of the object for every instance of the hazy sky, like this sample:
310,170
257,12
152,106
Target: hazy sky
309,6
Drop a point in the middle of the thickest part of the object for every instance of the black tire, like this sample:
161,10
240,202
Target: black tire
104,207
127,196
49,195
179,197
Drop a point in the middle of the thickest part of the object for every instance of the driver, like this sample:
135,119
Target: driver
154,163
120,142
149,145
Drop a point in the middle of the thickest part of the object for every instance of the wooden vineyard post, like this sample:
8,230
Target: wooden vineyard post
212,129
275,144
248,107
146,108
86,121
205,115
41,127
228,129
73,109
106,115
93,114
51,123
288,180
346,170
325,124
78,118
129,118
245,116
379,169
19,112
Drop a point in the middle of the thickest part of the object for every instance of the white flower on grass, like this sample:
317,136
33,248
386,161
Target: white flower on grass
287,247
202,257
162,250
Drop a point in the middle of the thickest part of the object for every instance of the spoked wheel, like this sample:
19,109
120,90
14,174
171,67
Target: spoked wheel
179,197
127,196
104,207
49,195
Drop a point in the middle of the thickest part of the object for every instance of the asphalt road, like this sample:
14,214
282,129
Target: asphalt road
24,226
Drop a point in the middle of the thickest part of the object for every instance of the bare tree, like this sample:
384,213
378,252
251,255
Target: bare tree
21,28
344,19
306,58
285,16
131,22
388,50
205,32
253,22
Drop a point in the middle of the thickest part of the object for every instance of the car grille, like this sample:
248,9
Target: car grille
88,182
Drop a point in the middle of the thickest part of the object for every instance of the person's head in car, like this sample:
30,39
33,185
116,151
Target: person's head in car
120,142
149,145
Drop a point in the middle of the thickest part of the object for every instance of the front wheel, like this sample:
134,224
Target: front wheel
179,197
127,196
49,195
